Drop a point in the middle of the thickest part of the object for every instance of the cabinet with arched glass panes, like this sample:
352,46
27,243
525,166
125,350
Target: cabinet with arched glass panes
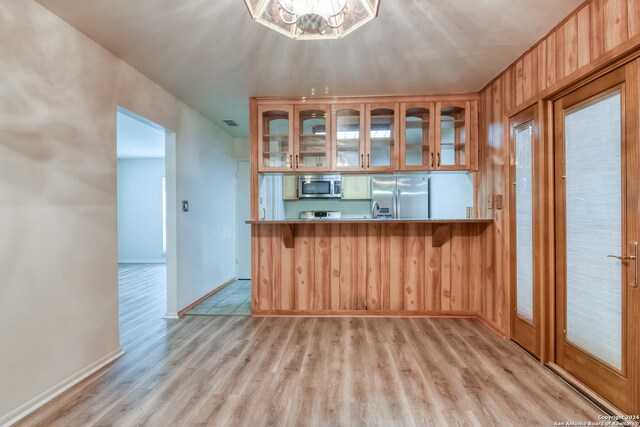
275,145
437,135
312,133
368,137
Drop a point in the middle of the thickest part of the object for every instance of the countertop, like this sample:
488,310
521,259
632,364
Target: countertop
374,221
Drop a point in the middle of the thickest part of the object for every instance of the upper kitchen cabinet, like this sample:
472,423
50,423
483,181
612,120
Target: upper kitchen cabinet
312,133
347,122
456,135
275,146
439,136
417,149
366,134
381,137
365,137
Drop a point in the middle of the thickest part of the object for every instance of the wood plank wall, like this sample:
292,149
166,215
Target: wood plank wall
374,267
594,36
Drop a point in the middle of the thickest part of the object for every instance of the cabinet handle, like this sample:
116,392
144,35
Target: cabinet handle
362,161
438,154
432,160
291,161
297,164
368,160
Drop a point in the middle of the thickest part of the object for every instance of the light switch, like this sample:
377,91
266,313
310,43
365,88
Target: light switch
490,201
498,201
185,206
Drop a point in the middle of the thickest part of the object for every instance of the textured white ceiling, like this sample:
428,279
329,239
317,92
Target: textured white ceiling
210,54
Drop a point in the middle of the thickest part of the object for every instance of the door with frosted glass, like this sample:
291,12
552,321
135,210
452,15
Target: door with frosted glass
596,236
525,315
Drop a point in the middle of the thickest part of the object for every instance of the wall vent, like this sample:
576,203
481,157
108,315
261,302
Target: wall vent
230,123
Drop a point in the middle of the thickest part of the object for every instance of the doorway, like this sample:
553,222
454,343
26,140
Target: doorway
146,228
596,202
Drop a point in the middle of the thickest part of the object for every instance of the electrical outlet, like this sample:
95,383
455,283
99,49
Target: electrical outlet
498,201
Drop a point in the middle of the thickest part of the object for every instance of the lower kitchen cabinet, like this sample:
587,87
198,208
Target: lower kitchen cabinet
367,268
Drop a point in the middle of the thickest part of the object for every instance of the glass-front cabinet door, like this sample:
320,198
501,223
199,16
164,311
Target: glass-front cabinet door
417,146
275,148
312,130
382,137
348,137
452,135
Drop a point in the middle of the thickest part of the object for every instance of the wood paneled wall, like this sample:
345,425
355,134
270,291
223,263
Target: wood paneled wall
592,38
594,34
372,267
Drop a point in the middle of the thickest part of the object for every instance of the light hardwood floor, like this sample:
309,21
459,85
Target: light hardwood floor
242,371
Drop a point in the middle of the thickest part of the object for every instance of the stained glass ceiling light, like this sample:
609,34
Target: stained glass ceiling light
313,19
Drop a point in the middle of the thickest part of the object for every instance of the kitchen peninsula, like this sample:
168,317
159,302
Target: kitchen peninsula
374,258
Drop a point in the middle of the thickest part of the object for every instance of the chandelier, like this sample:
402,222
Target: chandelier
313,19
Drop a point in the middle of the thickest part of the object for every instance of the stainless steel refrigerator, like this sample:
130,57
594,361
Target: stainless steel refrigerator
405,196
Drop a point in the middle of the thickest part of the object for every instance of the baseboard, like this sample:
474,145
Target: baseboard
64,385
171,315
143,261
362,313
489,324
213,292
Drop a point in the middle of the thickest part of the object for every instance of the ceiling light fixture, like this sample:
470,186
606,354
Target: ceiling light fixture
313,19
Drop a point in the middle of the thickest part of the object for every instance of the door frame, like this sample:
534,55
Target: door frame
239,220
626,78
523,333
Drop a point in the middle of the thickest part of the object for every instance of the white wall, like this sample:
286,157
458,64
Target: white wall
59,92
140,210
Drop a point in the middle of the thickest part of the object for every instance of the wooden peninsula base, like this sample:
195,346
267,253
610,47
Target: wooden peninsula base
367,267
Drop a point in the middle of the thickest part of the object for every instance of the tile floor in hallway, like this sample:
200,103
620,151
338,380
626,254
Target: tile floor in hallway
234,300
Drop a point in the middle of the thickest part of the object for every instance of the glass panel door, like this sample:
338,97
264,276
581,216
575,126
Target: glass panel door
452,136
348,138
313,137
274,142
417,150
593,179
596,223
524,221
381,153
527,260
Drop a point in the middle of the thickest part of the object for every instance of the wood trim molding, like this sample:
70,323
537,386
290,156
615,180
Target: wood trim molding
364,313
368,99
182,312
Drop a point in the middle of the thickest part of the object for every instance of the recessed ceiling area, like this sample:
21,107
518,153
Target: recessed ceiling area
210,54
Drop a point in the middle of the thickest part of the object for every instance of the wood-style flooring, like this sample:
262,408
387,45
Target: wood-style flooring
243,371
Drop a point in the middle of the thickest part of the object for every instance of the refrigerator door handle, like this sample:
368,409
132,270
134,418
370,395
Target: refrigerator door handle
396,201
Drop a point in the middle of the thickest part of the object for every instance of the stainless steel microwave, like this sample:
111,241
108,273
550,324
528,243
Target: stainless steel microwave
319,186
